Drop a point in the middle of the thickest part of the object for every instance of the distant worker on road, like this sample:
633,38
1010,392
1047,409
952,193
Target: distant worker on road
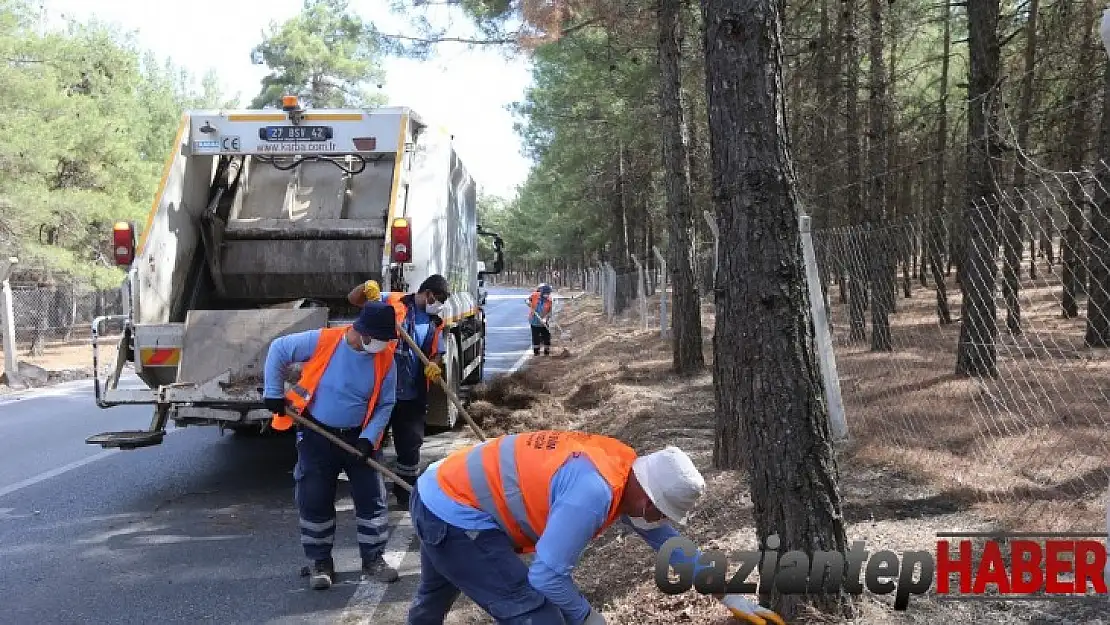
539,316
547,492
418,313
347,385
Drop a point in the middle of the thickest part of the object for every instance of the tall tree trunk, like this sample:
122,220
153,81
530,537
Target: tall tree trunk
1019,206
1098,303
1073,252
618,253
770,409
856,248
879,252
937,236
976,353
687,348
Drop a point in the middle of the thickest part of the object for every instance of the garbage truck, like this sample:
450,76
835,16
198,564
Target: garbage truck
262,223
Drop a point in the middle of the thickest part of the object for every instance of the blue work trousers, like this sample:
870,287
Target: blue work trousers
319,462
481,564
407,422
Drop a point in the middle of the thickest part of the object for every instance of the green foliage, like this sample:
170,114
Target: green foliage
325,54
84,142
588,99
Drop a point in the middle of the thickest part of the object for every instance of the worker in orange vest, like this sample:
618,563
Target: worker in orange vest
539,315
347,386
419,314
545,492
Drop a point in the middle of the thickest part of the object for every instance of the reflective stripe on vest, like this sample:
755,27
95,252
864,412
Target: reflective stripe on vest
401,311
533,300
509,477
301,394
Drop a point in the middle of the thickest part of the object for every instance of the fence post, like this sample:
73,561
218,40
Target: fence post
712,221
7,321
823,339
664,329
641,291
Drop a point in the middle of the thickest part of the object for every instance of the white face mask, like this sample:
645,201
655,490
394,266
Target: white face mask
374,346
434,308
640,522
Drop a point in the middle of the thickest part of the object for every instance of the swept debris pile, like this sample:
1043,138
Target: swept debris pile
617,381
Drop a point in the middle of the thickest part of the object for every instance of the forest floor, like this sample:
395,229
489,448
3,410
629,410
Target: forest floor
913,468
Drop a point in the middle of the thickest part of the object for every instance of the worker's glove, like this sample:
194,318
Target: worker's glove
749,612
275,405
372,290
594,618
432,372
364,447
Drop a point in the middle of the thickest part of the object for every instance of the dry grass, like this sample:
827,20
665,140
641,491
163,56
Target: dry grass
930,453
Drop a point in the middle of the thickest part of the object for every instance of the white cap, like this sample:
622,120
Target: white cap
671,481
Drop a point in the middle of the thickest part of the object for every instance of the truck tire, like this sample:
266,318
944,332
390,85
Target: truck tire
443,415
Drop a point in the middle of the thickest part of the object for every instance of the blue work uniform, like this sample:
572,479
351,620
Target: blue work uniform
459,544
339,403
411,410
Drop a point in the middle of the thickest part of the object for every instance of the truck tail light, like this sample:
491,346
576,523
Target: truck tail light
123,243
401,240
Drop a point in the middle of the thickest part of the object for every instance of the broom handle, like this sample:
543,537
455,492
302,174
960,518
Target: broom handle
348,448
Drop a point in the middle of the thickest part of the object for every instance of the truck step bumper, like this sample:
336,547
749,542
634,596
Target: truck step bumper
127,439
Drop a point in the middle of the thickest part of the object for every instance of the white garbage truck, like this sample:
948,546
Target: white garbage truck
262,223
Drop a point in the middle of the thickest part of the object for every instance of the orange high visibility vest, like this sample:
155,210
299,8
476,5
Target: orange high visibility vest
509,477
396,300
532,300
303,391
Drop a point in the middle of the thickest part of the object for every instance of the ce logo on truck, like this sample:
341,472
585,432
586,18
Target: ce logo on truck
230,144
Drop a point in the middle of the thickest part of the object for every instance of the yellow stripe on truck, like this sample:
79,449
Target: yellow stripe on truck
257,117
463,315
396,178
174,152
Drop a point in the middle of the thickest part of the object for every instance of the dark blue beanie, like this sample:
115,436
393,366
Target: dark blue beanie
378,321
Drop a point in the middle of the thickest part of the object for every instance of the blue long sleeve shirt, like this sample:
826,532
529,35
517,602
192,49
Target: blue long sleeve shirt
345,388
579,505
410,371
537,311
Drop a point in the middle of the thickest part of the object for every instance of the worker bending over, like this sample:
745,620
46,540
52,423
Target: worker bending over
418,314
347,385
539,315
547,492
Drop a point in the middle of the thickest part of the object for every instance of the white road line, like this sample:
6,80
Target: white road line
369,593
520,362
42,477
65,468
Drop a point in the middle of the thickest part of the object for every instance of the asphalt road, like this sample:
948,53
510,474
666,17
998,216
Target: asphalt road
200,529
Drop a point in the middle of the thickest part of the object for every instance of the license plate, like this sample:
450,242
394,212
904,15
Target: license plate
295,133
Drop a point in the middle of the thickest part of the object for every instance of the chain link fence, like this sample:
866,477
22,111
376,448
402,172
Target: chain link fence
60,314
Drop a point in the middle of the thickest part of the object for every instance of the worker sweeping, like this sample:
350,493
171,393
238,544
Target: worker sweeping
347,386
543,492
539,315
418,314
